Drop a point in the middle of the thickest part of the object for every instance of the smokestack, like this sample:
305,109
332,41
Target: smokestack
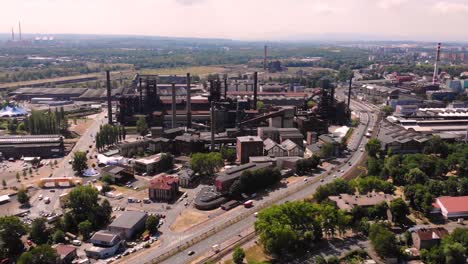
255,90
213,124
435,77
12,34
141,94
225,88
349,91
109,95
173,106
189,103
265,58
19,28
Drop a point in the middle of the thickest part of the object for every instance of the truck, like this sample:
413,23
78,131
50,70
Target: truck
215,248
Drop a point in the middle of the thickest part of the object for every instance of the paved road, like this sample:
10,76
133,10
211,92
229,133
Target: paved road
65,169
171,241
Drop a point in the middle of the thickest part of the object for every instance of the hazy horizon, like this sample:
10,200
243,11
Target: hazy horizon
259,20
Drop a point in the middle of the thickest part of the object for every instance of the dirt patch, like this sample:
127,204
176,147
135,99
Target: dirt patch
81,125
189,218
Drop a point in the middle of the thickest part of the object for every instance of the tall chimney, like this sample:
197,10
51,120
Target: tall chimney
12,34
173,106
189,103
349,91
225,88
213,125
265,58
141,94
19,28
109,96
435,77
255,90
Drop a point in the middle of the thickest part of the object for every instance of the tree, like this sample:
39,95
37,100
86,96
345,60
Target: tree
454,253
327,150
228,154
238,255
58,236
83,202
11,231
142,126
107,179
260,105
152,224
306,166
373,147
23,197
17,176
206,163
79,163
435,145
69,223
85,228
39,233
13,125
399,210
288,227
4,184
387,110
383,241
43,254
415,176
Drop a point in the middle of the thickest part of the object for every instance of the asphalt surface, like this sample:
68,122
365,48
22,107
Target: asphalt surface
171,241
64,169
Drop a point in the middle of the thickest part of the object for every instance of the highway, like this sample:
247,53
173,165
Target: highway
229,225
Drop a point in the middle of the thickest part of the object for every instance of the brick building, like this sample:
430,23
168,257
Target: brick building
163,187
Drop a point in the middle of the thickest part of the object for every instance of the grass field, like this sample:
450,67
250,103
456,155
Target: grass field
196,70
253,254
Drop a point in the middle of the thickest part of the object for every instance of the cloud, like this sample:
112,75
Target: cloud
390,4
189,2
445,7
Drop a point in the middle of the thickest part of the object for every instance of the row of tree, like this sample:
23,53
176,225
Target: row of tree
109,135
47,122
252,181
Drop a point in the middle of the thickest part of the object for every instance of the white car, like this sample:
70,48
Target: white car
40,197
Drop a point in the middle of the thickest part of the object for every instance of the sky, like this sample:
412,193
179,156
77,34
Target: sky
432,20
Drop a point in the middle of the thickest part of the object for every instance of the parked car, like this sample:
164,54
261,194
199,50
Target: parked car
191,252
76,242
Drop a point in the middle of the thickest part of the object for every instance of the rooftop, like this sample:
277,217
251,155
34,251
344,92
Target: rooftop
163,182
249,139
150,159
348,201
237,171
64,250
431,233
454,204
104,235
32,139
128,219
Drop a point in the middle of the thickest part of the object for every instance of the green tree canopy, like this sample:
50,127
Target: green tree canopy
42,254
373,147
238,255
39,233
206,163
399,210
79,163
23,197
11,230
383,241
152,224
142,126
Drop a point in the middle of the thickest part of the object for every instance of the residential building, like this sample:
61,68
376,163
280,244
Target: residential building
128,223
119,172
451,207
186,177
292,149
163,187
130,149
425,238
148,165
347,202
43,146
273,149
66,253
105,244
248,146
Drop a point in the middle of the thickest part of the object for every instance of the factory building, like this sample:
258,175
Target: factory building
43,146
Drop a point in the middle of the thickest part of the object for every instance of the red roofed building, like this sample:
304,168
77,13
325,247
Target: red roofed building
452,207
163,187
67,253
425,238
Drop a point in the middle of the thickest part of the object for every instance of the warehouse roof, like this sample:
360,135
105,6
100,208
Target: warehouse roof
32,139
128,219
237,171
